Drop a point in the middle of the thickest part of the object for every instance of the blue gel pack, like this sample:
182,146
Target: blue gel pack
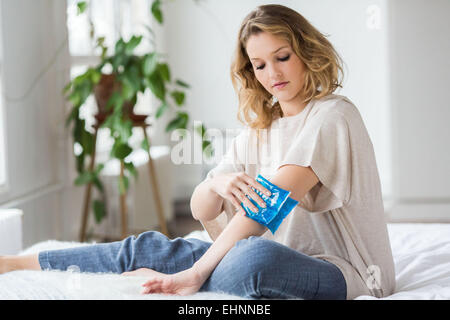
273,203
278,205
284,211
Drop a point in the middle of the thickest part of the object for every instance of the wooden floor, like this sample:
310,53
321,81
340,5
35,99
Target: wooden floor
182,225
183,222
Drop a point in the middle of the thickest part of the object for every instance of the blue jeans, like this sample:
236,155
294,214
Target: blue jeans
254,268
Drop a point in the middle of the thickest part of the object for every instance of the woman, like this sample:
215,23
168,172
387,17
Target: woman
303,138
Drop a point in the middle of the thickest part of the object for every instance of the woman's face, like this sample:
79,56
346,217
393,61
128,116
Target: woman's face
273,62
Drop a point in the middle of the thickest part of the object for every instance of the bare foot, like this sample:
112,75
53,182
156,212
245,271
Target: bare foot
142,272
4,267
12,263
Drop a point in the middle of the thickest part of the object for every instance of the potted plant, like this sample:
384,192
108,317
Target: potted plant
116,93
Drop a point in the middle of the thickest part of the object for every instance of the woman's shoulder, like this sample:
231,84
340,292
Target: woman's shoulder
334,106
334,103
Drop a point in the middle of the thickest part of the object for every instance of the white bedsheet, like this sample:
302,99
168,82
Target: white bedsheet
421,256
422,261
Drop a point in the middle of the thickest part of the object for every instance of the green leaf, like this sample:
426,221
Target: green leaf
85,90
131,168
133,76
156,85
127,91
124,129
117,61
67,88
99,168
185,118
205,144
207,148
201,130
182,84
95,76
112,100
79,79
99,210
100,42
75,98
122,150
164,71
156,11
120,46
72,116
178,96
132,44
173,124
84,178
96,181
179,122
80,162
77,130
87,142
81,6
149,64
162,108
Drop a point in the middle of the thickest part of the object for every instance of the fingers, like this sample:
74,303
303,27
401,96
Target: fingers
243,199
158,286
152,286
247,189
240,190
255,184
234,200
241,212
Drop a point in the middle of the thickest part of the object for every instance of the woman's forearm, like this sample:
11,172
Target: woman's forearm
240,227
205,203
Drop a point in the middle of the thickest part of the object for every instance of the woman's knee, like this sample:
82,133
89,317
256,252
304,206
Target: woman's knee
259,252
247,267
154,250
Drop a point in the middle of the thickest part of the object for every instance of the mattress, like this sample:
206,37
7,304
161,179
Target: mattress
421,256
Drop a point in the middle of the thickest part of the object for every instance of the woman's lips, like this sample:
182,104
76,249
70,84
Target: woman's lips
281,85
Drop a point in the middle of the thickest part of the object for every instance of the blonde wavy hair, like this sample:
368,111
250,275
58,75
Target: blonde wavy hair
323,74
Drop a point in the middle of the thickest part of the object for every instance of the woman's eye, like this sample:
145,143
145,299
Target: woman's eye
279,59
285,58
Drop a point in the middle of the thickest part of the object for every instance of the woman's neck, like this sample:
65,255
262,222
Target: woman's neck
291,109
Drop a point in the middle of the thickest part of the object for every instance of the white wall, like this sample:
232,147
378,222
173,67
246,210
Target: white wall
37,166
419,75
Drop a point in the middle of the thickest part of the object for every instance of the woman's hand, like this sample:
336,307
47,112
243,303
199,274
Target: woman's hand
182,283
235,186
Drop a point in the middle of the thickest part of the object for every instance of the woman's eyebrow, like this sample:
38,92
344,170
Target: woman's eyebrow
272,52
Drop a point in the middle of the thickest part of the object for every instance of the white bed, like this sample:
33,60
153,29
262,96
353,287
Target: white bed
421,255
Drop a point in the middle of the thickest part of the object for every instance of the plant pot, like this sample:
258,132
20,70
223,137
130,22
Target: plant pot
103,91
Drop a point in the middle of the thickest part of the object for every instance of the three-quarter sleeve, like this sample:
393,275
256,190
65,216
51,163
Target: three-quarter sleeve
232,161
324,145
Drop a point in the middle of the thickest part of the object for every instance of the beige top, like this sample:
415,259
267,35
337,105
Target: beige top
341,219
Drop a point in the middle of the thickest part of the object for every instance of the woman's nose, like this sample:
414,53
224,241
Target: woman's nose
274,73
